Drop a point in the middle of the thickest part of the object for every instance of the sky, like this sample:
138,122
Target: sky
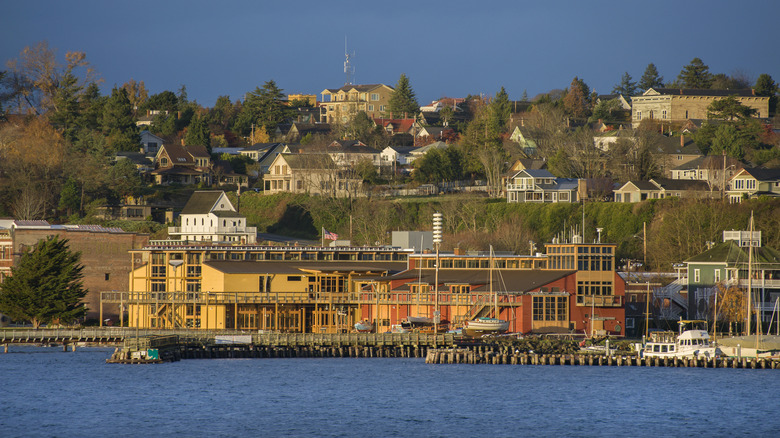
451,48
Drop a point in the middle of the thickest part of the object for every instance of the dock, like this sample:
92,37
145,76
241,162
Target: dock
502,356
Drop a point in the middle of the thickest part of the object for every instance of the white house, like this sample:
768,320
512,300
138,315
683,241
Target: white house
210,217
151,143
532,185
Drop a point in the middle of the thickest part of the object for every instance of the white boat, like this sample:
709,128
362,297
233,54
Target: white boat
419,320
686,343
484,325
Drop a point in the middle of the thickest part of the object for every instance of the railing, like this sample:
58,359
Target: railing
154,338
214,230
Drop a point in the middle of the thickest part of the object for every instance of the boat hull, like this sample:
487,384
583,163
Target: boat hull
485,326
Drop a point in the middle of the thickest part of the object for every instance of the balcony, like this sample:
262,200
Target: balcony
600,300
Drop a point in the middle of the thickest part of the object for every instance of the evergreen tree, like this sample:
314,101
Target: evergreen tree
695,75
163,101
524,98
626,87
91,111
65,109
650,78
198,133
403,102
46,286
729,108
263,106
181,97
766,86
500,109
118,122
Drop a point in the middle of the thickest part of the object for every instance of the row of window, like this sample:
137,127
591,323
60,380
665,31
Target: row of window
594,288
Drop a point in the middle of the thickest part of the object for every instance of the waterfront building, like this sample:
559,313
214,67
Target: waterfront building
725,265
574,287
210,216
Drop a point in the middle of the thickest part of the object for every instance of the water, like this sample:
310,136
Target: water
47,392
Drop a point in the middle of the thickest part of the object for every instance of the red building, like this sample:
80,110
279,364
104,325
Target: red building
572,288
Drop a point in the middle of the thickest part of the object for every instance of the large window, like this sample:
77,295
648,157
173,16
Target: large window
550,308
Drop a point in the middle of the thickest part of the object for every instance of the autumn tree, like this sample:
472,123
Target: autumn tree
650,78
46,286
403,102
695,75
626,87
136,93
576,102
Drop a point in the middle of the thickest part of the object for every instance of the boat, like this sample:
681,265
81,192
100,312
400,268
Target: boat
364,327
695,342
486,325
418,321
400,328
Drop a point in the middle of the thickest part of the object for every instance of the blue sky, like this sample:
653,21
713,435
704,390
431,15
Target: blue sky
451,48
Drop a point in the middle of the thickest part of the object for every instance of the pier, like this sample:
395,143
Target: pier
503,356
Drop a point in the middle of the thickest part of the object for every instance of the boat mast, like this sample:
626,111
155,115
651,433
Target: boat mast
750,275
495,295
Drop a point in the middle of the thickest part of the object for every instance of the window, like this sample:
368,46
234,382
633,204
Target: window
750,184
371,107
663,114
717,275
696,275
639,115
374,96
108,276
382,108
293,278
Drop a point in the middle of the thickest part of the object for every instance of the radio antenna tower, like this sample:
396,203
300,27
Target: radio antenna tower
349,70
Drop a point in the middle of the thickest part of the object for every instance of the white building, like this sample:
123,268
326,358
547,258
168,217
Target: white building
210,217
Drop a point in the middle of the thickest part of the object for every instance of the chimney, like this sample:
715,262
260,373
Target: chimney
682,140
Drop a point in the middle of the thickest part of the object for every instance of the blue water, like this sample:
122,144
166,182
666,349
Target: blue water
47,392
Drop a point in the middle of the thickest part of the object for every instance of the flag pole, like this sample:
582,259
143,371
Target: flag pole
323,236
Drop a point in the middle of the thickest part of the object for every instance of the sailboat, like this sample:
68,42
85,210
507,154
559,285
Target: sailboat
419,321
486,325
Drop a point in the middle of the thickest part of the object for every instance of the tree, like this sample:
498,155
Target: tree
163,101
46,286
403,102
500,110
136,92
263,106
650,78
118,122
766,86
722,81
729,108
695,75
607,110
626,87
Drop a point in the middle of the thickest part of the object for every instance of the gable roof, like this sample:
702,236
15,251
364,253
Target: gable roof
761,174
307,161
673,146
640,185
350,147
714,162
730,252
203,201
358,88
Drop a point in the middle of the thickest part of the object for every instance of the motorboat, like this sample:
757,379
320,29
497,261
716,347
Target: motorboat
687,343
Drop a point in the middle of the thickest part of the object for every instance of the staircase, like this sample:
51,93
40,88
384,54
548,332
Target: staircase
478,308
672,293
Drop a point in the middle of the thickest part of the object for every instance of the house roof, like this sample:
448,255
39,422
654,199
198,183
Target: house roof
426,148
641,185
260,146
681,184
198,151
531,163
761,174
538,173
351,147
672,146
309,161
399,125
714,162
177,170
202,201
401,149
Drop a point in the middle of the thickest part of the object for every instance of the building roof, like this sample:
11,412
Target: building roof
641,185
350,147
504,280
309,161
202,201
700,92
298,267
347,88
731,253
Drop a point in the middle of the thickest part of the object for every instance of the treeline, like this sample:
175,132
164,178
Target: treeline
676,229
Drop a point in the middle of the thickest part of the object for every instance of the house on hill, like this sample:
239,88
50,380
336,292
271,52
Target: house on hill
340,105
716,170
541,186
659,188
752,183
209,216
314,174
674,152
178,164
